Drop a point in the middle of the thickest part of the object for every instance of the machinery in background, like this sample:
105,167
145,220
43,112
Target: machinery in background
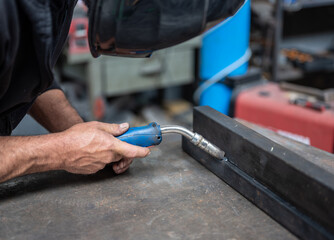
225,52
78,33
308,62
300,113
292,43
111,77
303,112
297,25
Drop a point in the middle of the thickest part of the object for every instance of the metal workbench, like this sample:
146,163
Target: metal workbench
168,195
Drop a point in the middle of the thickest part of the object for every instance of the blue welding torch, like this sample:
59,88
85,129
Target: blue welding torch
151,135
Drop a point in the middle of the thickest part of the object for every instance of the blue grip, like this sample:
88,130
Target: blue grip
143,136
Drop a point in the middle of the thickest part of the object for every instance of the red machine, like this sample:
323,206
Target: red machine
310,122
78,34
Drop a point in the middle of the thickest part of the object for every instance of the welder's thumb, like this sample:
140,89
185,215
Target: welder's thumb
114,129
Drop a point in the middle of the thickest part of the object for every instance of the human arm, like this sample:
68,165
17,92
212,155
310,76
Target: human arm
53,111
84,149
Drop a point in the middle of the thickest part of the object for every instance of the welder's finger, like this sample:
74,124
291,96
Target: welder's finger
121,170
113,129
126,163
122,165
129,150
115,157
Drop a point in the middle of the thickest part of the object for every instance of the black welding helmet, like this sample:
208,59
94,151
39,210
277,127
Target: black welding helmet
136,28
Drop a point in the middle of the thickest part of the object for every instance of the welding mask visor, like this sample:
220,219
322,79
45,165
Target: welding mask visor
136,28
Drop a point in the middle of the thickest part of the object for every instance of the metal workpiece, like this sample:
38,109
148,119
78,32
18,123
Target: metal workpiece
196,139
292,183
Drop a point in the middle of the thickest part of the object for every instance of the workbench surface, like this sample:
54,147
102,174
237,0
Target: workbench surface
165,196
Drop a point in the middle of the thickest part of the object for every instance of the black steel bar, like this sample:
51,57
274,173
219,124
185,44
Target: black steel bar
292,190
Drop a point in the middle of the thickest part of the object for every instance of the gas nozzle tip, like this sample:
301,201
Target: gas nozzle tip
222,155
215,151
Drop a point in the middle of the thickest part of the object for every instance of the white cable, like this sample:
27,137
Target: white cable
222,74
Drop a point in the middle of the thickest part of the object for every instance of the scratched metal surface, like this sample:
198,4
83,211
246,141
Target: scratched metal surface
317,156
166,196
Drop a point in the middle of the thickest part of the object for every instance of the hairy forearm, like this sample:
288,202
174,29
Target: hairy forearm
25,155
84,149
54,112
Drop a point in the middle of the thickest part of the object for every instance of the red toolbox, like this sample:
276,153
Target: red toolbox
269,106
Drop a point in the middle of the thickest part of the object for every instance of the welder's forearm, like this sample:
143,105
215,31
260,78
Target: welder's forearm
53,111
25,155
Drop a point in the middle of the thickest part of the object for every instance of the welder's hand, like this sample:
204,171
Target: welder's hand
122,165
90,146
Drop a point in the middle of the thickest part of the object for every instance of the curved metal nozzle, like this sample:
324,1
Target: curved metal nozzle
196,139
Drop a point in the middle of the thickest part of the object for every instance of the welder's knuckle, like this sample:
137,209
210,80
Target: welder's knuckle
122,164
114,126
118,170
115,168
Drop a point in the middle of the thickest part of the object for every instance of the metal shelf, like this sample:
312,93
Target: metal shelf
313,43
300,4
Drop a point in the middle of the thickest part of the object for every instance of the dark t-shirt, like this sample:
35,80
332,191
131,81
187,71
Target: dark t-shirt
33,33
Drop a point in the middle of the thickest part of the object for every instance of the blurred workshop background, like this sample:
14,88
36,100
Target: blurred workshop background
271,64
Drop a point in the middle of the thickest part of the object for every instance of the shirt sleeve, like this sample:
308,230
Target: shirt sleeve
54,85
